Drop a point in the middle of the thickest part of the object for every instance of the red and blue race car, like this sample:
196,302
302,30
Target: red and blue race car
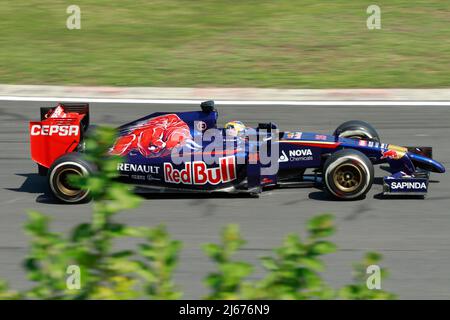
188,152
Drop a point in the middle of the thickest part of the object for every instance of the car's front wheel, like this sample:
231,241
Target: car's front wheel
59,181
348,174
357,129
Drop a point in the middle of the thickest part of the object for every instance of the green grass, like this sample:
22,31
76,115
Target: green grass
226,43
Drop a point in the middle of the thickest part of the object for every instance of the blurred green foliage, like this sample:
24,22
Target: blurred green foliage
227,43
359,290
105,272
294,272
146,271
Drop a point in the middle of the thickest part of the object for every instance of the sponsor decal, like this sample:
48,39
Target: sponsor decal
408,185
138,168
362,143
391,154
321,137
200,125
300,155
151,178
138,177
283,157
58,113
296,155
155,137
198,173
293,135
50,130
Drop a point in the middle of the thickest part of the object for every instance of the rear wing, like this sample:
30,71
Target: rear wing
60,131
77,108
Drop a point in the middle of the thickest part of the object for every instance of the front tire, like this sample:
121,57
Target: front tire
61,169
357,129
348,174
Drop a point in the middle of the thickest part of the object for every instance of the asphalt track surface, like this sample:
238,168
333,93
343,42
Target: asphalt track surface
412,234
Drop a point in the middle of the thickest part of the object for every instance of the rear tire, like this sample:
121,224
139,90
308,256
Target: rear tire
69,164
348,174
357,129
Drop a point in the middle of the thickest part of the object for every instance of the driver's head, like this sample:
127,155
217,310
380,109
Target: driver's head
235,128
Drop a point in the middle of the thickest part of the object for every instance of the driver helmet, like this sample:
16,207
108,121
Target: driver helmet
235,128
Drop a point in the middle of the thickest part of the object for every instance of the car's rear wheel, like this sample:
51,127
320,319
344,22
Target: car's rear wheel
348,174
357,129
59,181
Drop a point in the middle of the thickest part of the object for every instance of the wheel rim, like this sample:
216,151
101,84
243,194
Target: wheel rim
348,177
63,184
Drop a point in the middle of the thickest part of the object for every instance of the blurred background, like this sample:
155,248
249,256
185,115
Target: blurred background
226,43
240,44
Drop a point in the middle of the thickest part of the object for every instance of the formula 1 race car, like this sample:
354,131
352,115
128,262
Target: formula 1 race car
168,152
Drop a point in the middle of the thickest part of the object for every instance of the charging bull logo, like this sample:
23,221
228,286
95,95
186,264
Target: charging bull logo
393,152
155,137
390,154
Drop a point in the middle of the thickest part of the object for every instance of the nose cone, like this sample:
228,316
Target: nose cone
440,167
426,163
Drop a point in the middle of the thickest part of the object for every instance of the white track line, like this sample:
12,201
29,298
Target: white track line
231,102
